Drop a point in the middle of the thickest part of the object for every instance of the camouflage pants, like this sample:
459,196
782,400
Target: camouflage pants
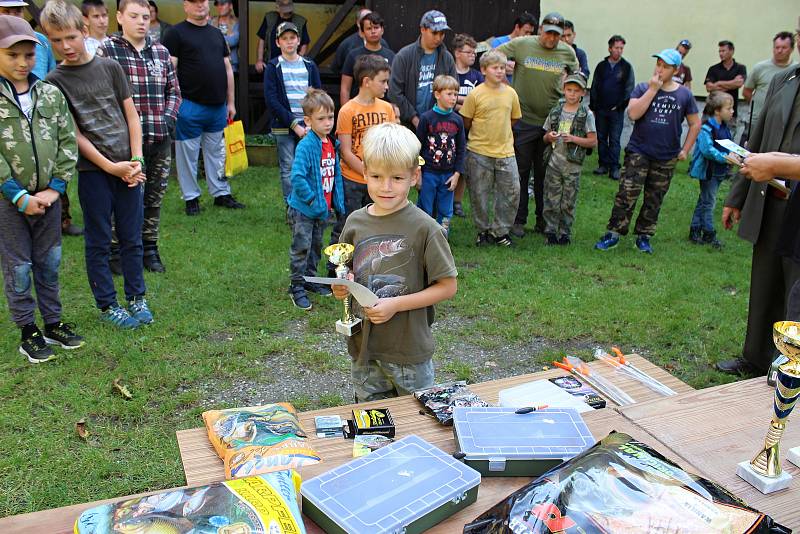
640,172
375,380
493,177
560,196
157,160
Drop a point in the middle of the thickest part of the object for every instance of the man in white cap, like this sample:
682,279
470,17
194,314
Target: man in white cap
417,64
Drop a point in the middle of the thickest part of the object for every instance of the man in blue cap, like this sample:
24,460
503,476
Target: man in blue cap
417,64
658,108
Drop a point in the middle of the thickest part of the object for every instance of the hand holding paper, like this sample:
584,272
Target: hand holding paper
364,296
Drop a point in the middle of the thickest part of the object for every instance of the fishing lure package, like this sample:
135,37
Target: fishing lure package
622,486
259,439
264,504
442,399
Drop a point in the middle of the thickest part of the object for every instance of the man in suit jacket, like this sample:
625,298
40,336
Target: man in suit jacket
759,209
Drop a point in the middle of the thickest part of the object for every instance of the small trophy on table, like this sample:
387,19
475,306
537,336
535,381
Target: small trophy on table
339,255
764,471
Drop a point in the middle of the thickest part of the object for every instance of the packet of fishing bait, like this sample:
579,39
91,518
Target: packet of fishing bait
263,504
259,439
622,486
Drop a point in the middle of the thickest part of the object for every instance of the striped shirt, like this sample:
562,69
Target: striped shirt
295,80
154,85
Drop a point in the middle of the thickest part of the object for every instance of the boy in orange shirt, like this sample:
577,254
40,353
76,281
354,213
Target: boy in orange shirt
367,109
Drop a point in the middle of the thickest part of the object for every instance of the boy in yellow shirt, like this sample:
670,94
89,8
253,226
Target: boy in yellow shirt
489,112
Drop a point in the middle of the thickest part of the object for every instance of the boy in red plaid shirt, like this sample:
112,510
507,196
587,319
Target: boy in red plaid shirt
157,98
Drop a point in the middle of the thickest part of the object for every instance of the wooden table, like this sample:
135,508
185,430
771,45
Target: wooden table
203,466
718,427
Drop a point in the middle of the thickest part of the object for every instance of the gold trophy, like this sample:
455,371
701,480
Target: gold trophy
764,471
339,255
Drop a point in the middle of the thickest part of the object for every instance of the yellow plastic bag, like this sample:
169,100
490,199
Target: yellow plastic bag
235,152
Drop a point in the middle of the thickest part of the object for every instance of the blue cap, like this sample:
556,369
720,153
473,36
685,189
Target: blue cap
434,20
670,57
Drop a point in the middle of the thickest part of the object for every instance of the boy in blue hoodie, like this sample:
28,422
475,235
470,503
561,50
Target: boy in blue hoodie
316,190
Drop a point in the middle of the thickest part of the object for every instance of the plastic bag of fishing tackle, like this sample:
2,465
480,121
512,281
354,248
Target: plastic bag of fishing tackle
441,399
622,486
263,504
259,439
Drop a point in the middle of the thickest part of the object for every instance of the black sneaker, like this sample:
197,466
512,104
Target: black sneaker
564,240
63,335
299,297
695,235
600,171
68,228
35,348
539,226
152,262
227,201
458,209
503,241
193,207
551,239
483,239
320,289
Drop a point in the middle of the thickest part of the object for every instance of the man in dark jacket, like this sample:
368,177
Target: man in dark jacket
611,90
416,65
759,208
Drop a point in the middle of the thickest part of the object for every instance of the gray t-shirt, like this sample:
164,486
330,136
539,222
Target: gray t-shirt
758,81
95,92
397,254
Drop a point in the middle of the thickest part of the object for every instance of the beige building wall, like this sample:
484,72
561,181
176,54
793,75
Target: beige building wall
650,26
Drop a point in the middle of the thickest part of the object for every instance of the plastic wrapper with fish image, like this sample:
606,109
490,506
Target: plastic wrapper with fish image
622,486
263,504
259,439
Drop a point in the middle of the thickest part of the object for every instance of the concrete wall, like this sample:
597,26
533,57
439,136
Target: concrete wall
650,26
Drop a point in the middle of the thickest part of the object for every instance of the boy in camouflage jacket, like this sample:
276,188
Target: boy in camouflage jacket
38,152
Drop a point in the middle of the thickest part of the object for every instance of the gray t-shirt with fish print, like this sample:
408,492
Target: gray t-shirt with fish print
397,254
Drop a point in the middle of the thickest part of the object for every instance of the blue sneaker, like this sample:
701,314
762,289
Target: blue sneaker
138,309
118,316
299,297
607,242
643,244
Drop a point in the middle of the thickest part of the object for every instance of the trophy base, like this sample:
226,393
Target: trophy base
760,482
348,329
793,455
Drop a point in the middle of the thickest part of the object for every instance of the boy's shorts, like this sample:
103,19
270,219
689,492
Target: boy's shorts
374,379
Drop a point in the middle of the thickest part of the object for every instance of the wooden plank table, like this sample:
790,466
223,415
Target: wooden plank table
203,466
718,427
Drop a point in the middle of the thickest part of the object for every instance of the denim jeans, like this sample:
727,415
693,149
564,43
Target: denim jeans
703,217
434,196
609,130
286,145
102,197
306,247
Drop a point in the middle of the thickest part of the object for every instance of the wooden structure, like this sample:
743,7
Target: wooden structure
202,465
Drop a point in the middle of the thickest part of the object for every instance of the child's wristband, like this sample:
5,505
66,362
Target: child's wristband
24,206
140,159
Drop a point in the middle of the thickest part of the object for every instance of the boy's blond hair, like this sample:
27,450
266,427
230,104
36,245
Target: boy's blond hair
493,57
60,15
443,82
316,99
389,146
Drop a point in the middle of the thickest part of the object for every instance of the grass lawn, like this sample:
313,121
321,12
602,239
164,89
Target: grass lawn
223,319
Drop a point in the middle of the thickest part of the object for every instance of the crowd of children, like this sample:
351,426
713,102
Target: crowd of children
109,113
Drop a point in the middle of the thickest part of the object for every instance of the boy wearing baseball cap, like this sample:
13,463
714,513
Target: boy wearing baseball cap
417,64
286,80
38,172
570,131
658,108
